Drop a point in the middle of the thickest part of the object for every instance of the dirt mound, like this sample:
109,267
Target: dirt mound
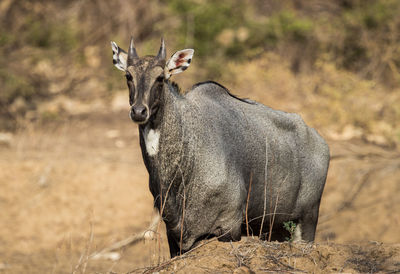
254,256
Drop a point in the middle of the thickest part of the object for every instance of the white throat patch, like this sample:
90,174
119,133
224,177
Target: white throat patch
151,139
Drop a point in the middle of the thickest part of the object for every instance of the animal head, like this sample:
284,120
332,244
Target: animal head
147,75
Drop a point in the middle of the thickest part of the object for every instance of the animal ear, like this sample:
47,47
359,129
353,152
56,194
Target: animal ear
119,56
179,62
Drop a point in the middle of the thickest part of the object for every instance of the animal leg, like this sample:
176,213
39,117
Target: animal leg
173,246
234,233
308,224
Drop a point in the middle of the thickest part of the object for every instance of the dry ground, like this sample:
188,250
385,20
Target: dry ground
253,256
75,187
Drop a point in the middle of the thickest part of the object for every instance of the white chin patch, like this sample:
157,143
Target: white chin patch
151,139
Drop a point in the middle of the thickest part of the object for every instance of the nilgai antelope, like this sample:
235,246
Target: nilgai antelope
221,166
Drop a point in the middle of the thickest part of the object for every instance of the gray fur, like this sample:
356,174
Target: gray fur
211,143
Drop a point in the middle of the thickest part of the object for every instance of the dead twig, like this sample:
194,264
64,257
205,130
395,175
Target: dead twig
247,203
131,240
84,258
278,262
183,213
239,264
265,187
183,256
275,207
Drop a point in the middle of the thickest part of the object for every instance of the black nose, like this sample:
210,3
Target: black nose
138,113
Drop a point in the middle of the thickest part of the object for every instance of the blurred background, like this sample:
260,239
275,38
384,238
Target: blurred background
71,176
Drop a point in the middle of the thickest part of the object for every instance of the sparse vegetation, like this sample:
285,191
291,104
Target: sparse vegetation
290,226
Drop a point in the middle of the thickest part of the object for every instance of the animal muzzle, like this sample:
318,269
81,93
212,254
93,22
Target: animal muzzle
139,114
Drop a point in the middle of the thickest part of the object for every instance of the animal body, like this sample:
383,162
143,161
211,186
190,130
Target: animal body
221,166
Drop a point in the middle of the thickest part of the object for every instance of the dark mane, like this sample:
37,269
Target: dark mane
174,86
245,100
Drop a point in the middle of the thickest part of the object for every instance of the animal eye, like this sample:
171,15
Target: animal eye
128,76
160,78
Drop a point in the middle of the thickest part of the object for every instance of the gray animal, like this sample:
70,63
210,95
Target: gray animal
221,166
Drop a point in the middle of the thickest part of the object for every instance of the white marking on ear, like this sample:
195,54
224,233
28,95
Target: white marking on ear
151,140
297,234
179,62
119,56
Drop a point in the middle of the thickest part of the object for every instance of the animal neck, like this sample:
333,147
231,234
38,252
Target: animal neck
163,143
165,123
169,106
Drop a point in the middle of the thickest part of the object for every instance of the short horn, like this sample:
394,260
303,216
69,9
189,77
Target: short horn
162,53
132,55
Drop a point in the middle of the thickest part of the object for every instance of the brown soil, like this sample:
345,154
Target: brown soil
254,256
71,189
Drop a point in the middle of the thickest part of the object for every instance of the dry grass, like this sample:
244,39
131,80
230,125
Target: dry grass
251,255
247,203
51,211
